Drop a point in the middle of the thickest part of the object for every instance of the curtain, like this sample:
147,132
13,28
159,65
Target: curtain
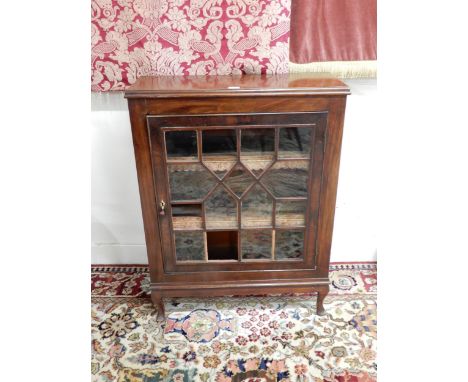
333,30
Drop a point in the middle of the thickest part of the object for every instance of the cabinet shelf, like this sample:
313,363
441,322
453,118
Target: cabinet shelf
224,161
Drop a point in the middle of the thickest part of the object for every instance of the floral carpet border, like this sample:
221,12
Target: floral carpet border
133,280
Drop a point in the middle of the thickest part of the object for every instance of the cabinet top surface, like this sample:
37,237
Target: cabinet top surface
250,84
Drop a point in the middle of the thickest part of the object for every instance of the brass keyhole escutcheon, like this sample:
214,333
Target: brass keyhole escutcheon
162,205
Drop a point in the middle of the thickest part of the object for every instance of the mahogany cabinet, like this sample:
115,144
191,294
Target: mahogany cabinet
238,179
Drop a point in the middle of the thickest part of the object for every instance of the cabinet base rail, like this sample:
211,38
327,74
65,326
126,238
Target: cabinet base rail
160,291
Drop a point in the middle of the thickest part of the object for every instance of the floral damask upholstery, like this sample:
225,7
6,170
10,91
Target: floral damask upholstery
132,38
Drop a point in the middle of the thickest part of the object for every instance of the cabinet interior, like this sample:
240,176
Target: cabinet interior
238,194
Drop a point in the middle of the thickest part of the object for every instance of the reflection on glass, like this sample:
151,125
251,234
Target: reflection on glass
257,149
238,180
220,210
181,145
287,178
257,141
291,213
256,244
289,245
219,150
294,142
190,245
257,208
220,167
187,216
219,142
187,210
189,181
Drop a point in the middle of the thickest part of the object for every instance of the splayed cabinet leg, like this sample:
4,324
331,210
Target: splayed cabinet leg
159,304
322,293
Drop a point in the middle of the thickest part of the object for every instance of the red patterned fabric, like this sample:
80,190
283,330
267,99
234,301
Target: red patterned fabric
132,38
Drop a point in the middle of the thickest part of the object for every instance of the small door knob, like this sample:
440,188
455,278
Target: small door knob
162,206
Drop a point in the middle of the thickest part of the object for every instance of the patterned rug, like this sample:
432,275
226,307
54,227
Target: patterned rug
235,339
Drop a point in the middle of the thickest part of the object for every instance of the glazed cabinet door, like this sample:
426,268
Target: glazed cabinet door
238,192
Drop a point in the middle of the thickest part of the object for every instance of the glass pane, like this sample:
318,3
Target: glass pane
294,142
289,245
256,244
219,150
190,245
219,167
257,149
220,210
187,216
189,181
257,208
238,180
287,178
291,213
181,145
